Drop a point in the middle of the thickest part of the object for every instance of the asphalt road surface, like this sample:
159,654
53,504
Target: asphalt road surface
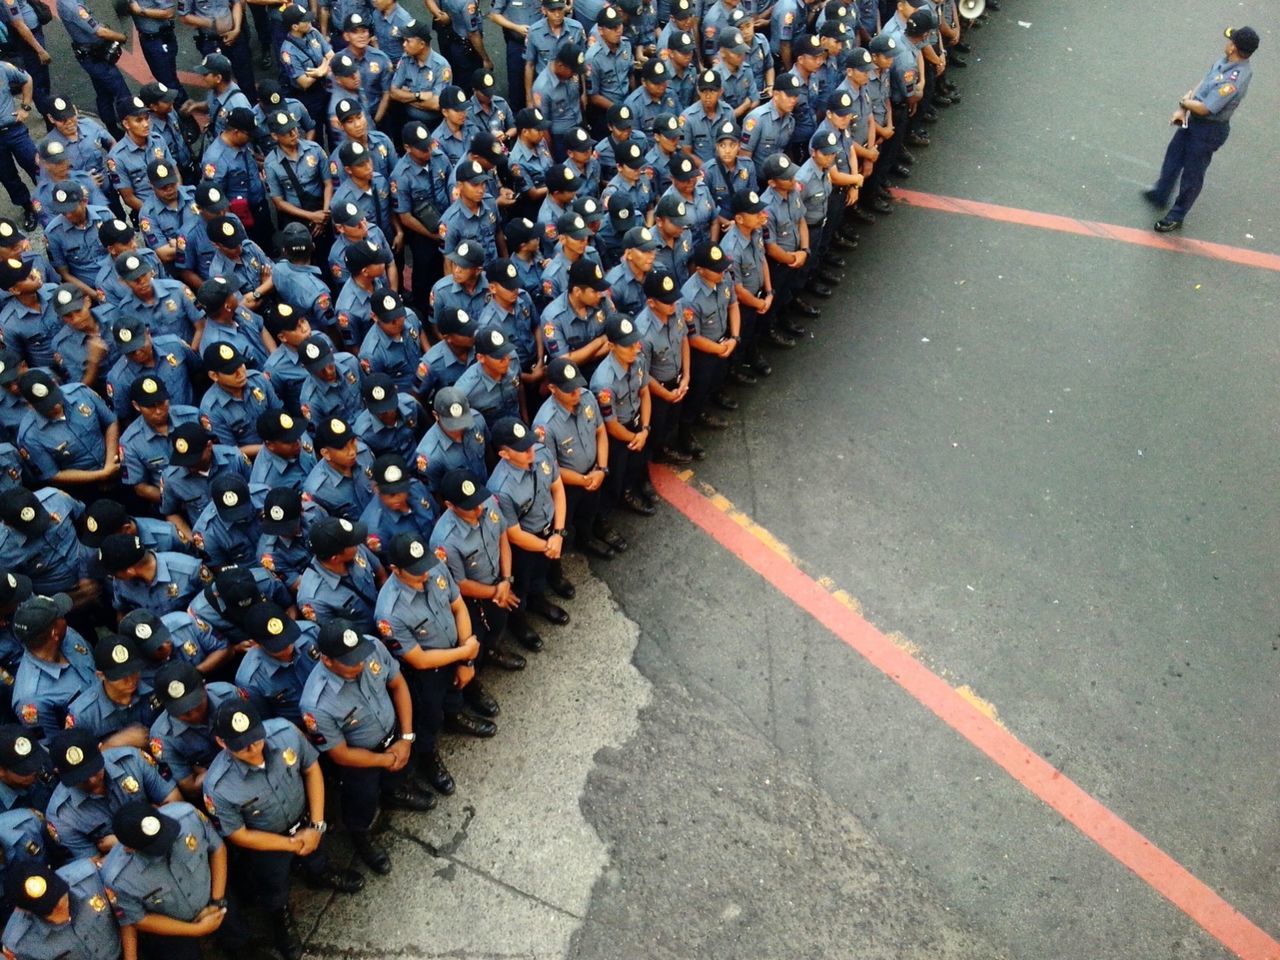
1042,461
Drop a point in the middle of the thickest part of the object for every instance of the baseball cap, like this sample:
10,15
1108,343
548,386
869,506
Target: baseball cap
147,391
1245,38
415,134
640,238
379,393
156,92
519,231
180,687
709,256
453,98
710,80
361,254
470,171
578,140
120,551
10,366
67,197
214,63
570,55
14,588
672,208
60,108
131,107
222,358
733,40
188,442
281,510
727,131
333,433
881,43
666,125
453,408
789,84
841,104
531,118
274,425
467,254
281,121
148,630
779,167
20,753
491,342
331,535
37,614
512,432
352,152
76,756
40,390
117,656
346,214
455,320
213,293
859,58
387,305
34,886
410,553
748,201
391,473
620,117
231,498
226,231
485,144
210,198
114,231
242,119
295,238
564,373
585,273
140,826
682,168
267,624
629,154
621,330
562,178
21,509
68,299
341,640
238,724
609,18
588,208
503,273
162,173
661,287
463,488
572,225
130,266
101,519
655,71
825,142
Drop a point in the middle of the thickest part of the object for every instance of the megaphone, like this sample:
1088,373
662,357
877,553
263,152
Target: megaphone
972,9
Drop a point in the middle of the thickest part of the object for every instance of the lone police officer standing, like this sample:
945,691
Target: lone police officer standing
1203,121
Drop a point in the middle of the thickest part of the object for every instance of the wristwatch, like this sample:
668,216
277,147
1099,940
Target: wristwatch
318,825
408,737
219,902
561,532
507,580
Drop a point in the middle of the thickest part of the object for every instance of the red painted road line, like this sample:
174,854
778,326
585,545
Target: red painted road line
1164,874
1089,228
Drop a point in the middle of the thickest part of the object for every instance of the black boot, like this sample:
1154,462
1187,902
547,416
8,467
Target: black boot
438,775
556,581
284,933
371,852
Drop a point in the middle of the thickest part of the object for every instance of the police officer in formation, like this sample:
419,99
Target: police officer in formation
291,473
